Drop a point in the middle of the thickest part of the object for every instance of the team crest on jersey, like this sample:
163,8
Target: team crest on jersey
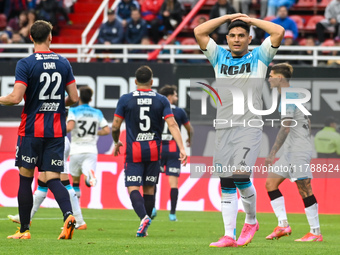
135,93
38,56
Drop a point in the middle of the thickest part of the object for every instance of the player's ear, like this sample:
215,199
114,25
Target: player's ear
151,82
31,39
249,39
136,82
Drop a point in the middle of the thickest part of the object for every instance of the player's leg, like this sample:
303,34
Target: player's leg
53,165
75,171
311,210
173,168
229,208
278,204
88,167
80,223
150,179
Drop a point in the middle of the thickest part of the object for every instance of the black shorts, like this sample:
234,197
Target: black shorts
143,173
45,153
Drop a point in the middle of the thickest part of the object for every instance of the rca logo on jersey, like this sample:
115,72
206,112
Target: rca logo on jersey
49,107
57,162
145,137
134,179
28,159
144,101
151,179
233,70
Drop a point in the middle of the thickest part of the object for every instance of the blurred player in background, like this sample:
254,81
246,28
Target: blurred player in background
84,122
41,79
238,145
143,111
41,192
296,157
170,151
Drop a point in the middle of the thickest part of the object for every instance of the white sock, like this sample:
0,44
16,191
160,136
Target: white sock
77,190
248,197
279,209
313,219
75,206
229,208
38,197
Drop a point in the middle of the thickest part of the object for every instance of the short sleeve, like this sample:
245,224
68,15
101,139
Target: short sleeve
184,117
21,72
102,121
71,115
167,112
120,110
70,77
290,108
211,52
266,51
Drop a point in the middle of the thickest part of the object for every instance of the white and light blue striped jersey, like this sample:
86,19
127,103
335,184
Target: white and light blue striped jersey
298,138
243,74
87,122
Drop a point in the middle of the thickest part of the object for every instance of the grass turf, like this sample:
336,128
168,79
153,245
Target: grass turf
113,232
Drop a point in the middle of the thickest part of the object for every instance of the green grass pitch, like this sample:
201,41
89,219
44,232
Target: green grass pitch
113,232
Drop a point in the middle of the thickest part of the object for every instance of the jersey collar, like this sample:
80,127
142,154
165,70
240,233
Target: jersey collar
48,51
144,89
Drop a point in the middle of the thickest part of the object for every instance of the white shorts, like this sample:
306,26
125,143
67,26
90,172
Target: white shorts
66,154
293,165
236,149
82,164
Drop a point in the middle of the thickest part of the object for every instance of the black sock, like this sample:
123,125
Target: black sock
149,203
25,201
61,196
138,203
173,197
274,194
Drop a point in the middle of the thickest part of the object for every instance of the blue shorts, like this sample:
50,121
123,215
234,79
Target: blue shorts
45,153
143,173
171,164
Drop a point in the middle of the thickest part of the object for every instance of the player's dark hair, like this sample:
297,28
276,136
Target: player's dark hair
144,75
40,30
85,94
239,23
168,90
283,68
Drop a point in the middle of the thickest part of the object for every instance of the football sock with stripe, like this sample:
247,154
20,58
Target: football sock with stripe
25,201
39,197
248,197
278,204
311,209
77,189
229,206
138,203
61,196
173,198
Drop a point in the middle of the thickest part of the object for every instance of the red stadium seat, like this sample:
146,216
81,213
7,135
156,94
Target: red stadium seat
324,3
311,23
298,20
188,41
305,3
329,43
269,18
194,22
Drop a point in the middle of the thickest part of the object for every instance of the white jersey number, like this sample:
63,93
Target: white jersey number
47,78
142,115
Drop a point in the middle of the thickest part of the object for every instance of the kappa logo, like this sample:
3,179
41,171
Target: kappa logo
57,162
134,178
151,179
38,56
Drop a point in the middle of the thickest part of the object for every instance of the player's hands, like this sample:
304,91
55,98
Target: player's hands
232,17
269,161
183,157
117,146
188,142
246,19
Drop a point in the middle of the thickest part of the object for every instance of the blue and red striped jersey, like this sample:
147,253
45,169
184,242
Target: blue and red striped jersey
143,111
168,142
46,75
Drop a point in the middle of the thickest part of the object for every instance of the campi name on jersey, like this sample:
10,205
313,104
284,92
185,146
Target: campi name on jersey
145,137
49,65
49,107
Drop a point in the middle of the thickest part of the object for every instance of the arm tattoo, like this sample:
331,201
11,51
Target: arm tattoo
280,139
304,187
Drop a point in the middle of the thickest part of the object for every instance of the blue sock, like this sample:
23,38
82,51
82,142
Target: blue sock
25,201
138,203
61,196
173,197
149,203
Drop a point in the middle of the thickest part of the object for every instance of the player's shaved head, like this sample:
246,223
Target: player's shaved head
239,23
85,94
144,75
40,30
283,68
